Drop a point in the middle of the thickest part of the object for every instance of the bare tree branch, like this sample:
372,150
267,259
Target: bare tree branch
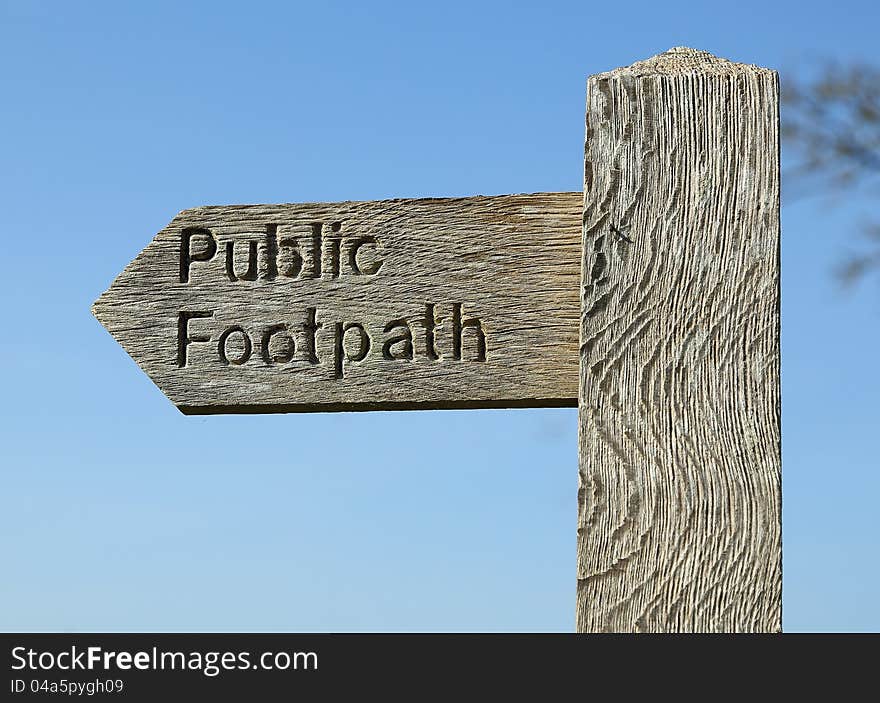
831,124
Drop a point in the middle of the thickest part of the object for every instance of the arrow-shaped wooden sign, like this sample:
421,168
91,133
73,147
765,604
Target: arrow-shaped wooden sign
435,303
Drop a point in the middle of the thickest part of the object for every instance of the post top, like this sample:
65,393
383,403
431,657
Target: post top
681,60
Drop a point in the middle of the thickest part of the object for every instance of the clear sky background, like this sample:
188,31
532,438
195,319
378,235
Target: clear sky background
119,513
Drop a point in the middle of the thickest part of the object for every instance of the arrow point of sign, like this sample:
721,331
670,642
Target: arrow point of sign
135,313
99,309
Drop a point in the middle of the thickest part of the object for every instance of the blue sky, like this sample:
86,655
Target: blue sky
119,513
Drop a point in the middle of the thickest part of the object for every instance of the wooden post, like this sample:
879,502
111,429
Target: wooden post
679,520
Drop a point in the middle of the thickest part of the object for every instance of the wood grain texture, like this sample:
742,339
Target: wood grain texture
679,525
510,263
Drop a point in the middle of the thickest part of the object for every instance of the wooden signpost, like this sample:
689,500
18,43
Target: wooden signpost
650,301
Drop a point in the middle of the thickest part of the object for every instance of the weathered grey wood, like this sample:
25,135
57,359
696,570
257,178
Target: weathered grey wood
511,262
679,498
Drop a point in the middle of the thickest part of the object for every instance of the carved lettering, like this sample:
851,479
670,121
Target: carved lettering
250,273
285,344
317,251
371,268
430,324
271,252
314,269
187,256
310,329
339,345
403,339
241,343
184,338
290,258
458,328
342,353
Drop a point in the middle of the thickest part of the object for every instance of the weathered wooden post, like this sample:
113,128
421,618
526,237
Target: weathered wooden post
679,525
473,302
